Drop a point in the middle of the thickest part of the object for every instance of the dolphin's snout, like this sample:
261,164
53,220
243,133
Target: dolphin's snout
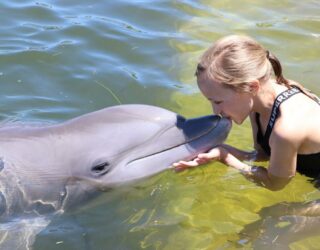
199,126
227,122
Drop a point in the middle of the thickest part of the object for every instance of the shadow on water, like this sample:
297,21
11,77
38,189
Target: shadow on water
283,224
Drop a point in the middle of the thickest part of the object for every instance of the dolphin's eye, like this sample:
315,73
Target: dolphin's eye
101,169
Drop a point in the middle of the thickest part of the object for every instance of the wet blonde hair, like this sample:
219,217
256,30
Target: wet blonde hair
235,61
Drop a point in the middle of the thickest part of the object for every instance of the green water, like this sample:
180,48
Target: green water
60,59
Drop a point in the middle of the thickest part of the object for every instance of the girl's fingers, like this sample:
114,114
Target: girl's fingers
193,163
182,165
211,155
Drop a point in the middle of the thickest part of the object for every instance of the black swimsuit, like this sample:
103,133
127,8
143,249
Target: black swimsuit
307,164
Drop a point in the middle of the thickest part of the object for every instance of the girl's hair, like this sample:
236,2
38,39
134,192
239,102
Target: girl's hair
235,61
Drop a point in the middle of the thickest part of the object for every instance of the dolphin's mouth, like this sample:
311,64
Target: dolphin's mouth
203,133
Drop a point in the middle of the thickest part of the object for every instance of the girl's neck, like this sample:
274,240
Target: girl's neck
265,97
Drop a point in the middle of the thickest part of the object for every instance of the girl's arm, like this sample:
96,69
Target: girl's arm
259,175
268,178
279,173
244,155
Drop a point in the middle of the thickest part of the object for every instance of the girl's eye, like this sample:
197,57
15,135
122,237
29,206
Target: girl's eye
217,102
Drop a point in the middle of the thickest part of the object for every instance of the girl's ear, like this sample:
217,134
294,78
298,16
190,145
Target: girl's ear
254,87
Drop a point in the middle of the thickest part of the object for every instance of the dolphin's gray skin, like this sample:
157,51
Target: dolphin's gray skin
52,168
49,168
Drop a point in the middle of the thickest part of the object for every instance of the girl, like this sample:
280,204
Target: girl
240,78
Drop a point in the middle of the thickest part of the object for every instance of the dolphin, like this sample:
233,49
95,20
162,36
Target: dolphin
52,168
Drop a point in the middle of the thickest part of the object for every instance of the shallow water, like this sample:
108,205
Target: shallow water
61,59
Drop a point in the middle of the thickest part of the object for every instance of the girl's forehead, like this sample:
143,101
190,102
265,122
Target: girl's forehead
212,88
209,84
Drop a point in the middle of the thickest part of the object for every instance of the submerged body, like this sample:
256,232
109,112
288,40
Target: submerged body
51,168
282,224
242,79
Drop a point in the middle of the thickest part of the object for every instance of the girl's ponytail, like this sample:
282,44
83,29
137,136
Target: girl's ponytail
276,65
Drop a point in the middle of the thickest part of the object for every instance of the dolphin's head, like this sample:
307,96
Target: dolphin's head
127,143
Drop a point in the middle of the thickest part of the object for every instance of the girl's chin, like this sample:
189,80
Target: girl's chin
238,122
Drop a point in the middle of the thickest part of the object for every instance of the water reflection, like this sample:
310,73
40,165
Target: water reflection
283,224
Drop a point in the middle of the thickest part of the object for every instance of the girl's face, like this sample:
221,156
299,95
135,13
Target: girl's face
226,101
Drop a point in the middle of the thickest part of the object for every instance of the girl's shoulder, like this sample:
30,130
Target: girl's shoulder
298,117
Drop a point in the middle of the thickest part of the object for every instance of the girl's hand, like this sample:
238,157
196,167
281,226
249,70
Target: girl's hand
217,153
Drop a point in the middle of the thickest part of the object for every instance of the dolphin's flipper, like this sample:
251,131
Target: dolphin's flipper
20,234
282,224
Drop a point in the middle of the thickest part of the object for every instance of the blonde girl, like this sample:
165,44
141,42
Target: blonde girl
242,79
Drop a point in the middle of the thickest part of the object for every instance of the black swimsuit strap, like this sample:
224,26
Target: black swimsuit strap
285,95
263,139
